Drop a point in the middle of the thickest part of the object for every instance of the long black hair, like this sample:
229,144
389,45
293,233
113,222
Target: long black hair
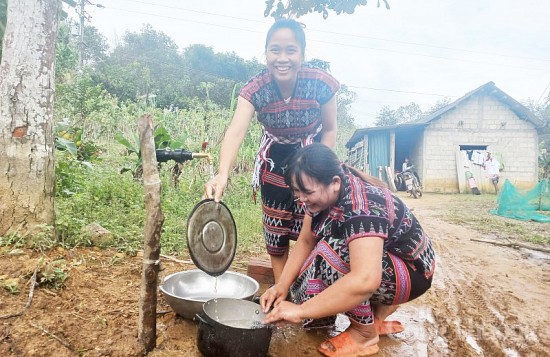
320,163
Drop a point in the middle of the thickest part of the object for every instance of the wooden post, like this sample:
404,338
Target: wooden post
391,182
147,325
460,172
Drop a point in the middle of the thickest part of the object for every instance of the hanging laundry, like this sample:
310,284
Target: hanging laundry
478,158
465,158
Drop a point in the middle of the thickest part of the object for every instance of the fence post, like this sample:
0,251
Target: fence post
147,324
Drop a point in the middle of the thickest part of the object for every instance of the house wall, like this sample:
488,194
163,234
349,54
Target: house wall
479,120
358,155
418,158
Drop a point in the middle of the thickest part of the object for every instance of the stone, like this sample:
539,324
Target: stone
98,235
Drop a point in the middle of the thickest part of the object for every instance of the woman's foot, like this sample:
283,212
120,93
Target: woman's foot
361,341
388,327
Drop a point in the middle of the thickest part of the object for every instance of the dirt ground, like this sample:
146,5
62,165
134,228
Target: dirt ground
486,300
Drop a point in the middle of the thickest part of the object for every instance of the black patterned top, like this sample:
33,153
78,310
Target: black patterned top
293,119
364,210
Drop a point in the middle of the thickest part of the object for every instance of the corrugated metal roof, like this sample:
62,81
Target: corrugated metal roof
360,133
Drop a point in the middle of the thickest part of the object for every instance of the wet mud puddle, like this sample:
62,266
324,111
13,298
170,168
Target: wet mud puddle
420,330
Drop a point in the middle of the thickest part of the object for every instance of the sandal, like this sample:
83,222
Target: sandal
343,345
389,327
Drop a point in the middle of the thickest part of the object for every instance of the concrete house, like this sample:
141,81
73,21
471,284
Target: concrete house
450,145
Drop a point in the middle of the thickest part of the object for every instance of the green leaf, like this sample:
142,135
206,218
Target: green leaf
131,147
162,138
66,145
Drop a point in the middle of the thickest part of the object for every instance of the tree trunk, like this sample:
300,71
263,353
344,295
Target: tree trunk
147,323
27,176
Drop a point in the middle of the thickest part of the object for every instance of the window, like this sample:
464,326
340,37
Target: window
473,147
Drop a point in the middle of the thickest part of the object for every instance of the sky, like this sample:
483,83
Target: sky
418,51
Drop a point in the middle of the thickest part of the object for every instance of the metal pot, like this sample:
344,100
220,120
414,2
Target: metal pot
186,291
233,328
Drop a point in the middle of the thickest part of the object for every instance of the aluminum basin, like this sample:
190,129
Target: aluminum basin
187,291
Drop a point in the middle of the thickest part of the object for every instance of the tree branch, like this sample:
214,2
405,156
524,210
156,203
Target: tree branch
515,245
29,299
64,343
147,323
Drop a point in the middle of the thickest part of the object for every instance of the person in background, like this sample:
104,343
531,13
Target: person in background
296,105
361,252
406,167
492,167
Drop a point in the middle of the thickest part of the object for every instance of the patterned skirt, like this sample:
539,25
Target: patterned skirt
282,215
401,282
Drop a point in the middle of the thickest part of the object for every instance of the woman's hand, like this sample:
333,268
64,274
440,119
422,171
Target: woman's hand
214,187
285,311
273,296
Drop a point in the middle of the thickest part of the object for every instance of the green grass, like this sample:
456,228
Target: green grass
474,212
116,202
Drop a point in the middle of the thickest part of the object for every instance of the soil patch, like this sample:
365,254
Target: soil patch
486,300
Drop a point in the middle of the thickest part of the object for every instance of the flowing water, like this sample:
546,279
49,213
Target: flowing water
215,286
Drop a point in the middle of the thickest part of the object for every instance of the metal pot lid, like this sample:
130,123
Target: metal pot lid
211,237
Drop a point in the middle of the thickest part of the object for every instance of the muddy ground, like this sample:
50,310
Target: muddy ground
486,300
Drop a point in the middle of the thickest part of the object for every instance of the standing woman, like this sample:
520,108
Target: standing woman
361,252
296,105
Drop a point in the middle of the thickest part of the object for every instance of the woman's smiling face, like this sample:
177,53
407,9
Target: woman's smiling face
284,56
316,196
